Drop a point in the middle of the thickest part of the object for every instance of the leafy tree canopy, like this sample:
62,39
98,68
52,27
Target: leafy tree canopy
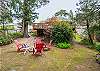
25,9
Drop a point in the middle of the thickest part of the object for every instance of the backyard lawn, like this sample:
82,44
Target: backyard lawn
77,58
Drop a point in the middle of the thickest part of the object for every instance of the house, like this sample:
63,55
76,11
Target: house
41,28
44,27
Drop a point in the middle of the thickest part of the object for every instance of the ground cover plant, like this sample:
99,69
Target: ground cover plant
63,45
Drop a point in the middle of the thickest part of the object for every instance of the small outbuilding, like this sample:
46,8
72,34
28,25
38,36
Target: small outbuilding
42,28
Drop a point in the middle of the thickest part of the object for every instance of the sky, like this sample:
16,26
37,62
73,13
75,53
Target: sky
54,6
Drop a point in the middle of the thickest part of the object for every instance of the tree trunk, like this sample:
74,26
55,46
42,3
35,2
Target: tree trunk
89,35
25,23
25,29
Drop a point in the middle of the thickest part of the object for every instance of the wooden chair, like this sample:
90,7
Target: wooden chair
48,46
18,45
38,47
98,58
21,47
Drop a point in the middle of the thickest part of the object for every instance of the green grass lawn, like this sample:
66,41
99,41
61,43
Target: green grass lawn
77,58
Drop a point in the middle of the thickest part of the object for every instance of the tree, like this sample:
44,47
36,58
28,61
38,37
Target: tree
69,15
61,13
86,13
5,13
72,18
25,10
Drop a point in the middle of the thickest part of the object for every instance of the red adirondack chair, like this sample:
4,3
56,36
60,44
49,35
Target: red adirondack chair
21,47
38,44
18,45
48,46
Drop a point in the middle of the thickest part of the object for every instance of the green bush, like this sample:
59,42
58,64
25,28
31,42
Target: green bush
7,27
63,45
4,40
16,35
85,41
98,36
97,47
62,32
33,34
77,38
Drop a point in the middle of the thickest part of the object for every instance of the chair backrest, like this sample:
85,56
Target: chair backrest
17,44
50,42
39,46
37,40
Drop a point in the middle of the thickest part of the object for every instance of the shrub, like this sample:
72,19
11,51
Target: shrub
1,32
85,41
62,32
4,40
77,38
7,27
98,36
33,34
16,35
63,45
98,47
